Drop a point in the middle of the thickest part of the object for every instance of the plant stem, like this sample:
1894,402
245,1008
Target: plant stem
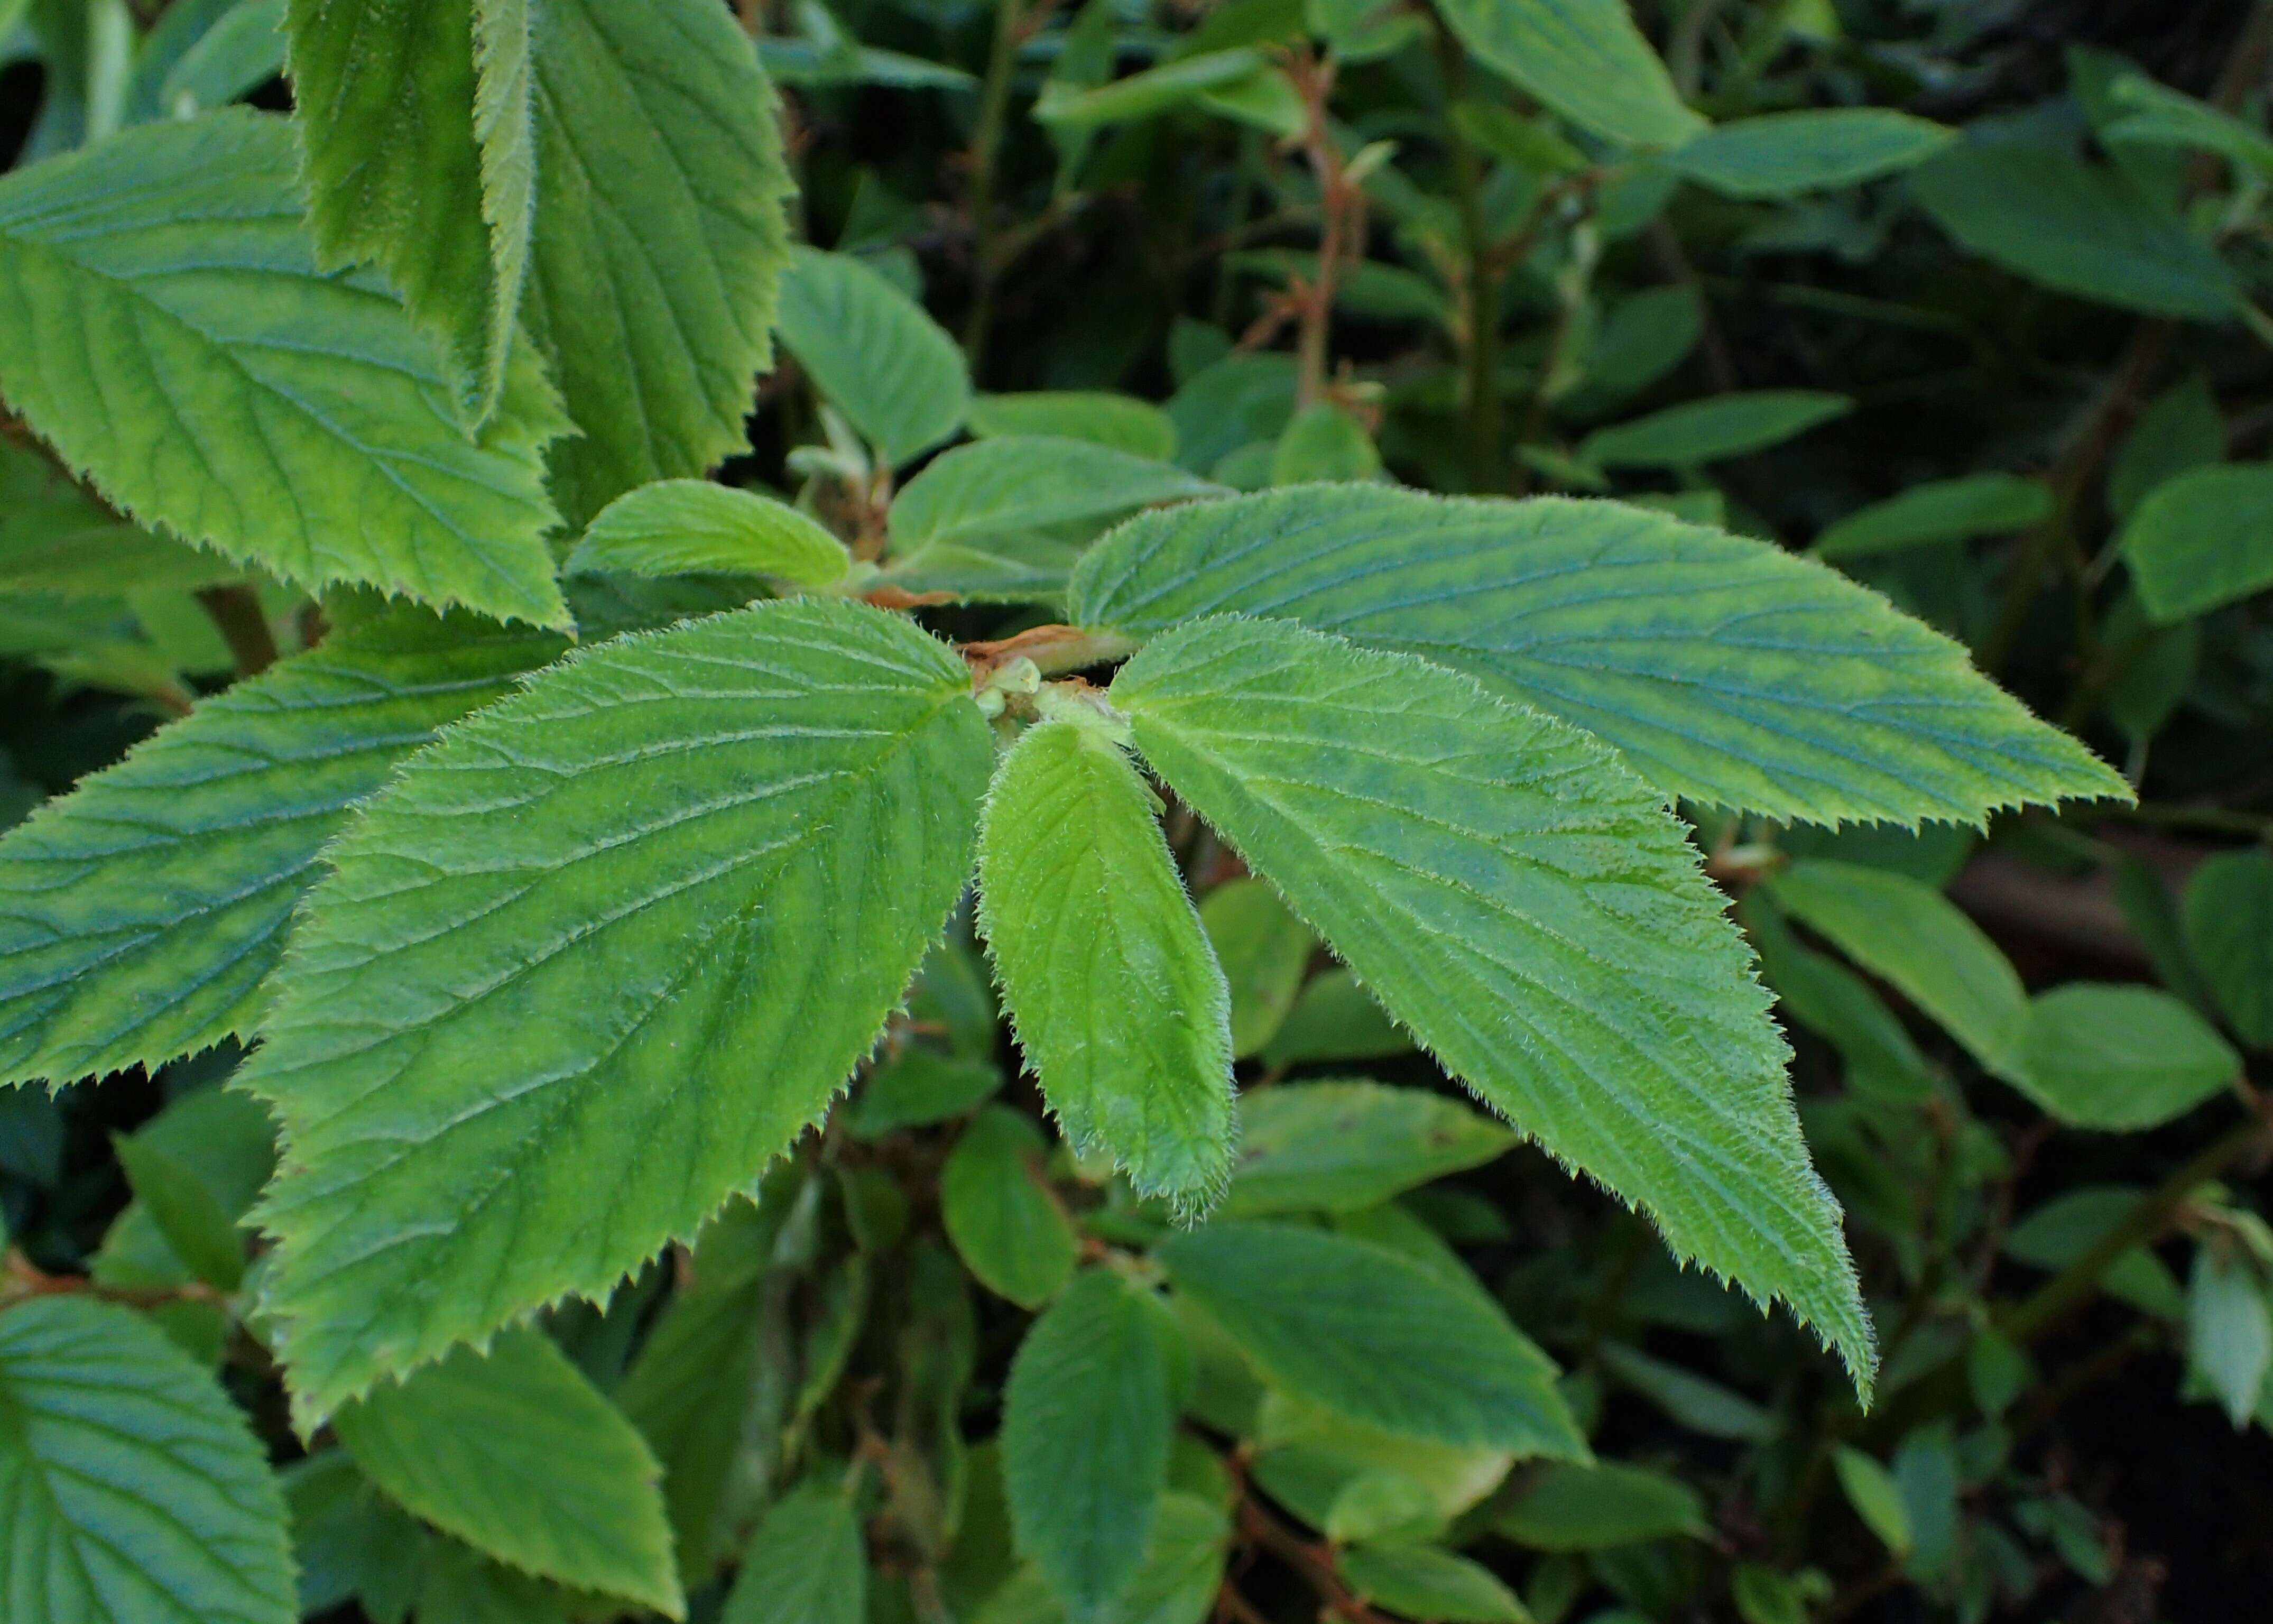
986,150
1480,282
1341,229
236,612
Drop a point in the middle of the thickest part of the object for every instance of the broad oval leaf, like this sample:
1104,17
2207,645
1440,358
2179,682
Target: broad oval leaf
131,1491
681,527
1991,504
1108,979
628,933
1782,154
2202,540
166,327
1117,422
873,353
1529,909
1422,1581
1007,1226
1725,670
54,537
1345,1145
1707,430
2228,916
517,1454
2119,1058
1374,1336
1016,484
1567,1507
806,1564
141,914
1584,58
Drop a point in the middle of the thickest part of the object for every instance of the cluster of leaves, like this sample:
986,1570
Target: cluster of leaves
1360,718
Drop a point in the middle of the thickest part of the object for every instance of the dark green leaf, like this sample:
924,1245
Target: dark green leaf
1006,1224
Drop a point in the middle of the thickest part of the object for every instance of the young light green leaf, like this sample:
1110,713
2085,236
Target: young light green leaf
416,124
695,869
1087,1420
1908,933
2120,1058
660,235
1344,1145
140,915
681,527
873,353
1113,988
1784,154
1833,707
1018,484
1422,1581
1265,950
1323,443
2046,216
1371,1336
2202,540
1707,430
1584,58
132,1492
1527,907
517,1454
1117,422
2228,915
2229,1330
166,327
1871,1489
1943,510
1570,1506
807,1564
201,1232
1007,1226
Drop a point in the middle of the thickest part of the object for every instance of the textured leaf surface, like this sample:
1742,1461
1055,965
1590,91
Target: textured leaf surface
679,526
132,1492
2202,540
873,353
659,238
163,323
1086,1421
1584,58
1007,1226
1345,1145
1114,991
1726,670
1374,1336
517,1454
140,915
1782,155
593,961
1527,907
807,1564
1942,510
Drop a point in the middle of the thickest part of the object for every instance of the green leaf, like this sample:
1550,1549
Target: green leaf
660,235
243,50
683,527
1529,910
1708,430
1566,1506
54,537
1871,1489
1370,1335
1942,510
1584,58
1006,1225
1826,706
1323,443
1334,1019
416,124
1178,1583
352,1543
132,1492
201,1232
1233,404
515,1452
141,914
2065,1228
166,327
1017,484
2202,540
873,353
1117,422
2046,216
1425,1583
1784,154
1695,1401
627,932
1911,936
1343,1146
807,1564
1148,94
1087,1420
2228,915
1265,950
223,1143
2157,116
917,1088
2121,1058
2229,1330
1115,993
2181,429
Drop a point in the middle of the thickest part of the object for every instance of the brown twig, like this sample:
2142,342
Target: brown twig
1341,231
236,612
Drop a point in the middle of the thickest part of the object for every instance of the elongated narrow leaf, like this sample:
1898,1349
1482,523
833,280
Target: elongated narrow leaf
517,1454
873,353
1373,1336
660,236
1945,510
1782,154
1705,431
1726,670
1345,1145
420,140
678,527
132,1492
164,324
140,915
1113,990
1568,1507
1527,907
1086,1422
807,1564
627,933
2202,540
1422,1581
1584,58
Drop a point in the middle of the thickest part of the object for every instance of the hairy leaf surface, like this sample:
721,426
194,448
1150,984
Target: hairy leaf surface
595,959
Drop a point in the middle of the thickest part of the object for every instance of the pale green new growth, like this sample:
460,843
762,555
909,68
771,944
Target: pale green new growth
595,959
516,1452
1113,988
1725,670
678,527
132,1492
163,322
1523,903
140,915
